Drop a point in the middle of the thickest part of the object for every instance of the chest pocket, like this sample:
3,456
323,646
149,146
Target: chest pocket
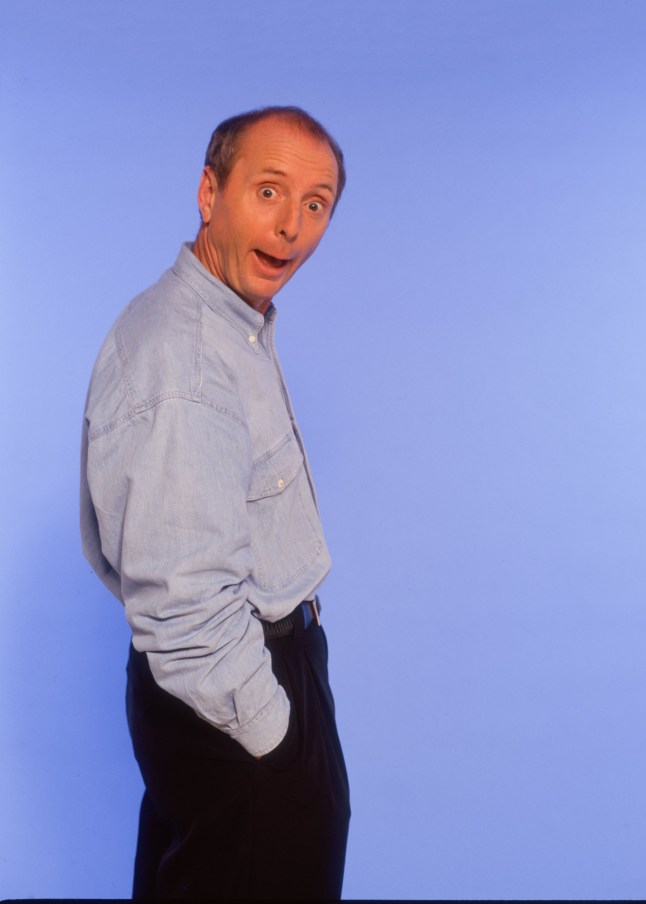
285,529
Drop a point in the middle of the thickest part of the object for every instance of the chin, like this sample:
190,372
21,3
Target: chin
262,295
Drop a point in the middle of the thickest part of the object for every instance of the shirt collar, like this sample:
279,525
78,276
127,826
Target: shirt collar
218,297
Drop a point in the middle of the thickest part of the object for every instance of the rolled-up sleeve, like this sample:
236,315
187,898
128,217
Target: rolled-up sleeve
169,489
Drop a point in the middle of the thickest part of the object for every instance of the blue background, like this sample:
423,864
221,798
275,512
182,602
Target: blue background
466,355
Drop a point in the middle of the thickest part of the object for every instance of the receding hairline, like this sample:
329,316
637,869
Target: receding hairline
294,124
225,144
276,171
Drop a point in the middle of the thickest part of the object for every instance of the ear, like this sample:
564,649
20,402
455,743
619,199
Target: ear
206,193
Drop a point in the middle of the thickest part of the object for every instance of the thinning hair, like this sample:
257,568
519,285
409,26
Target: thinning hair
224,145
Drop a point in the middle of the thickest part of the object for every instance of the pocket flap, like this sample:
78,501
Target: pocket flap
275,470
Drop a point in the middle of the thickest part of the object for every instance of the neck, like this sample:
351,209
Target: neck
202,252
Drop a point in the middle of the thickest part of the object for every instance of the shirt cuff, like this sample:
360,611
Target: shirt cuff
267,729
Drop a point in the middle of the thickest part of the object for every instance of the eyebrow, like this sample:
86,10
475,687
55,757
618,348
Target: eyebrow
277,172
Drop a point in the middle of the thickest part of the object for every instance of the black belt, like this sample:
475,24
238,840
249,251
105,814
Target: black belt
285,626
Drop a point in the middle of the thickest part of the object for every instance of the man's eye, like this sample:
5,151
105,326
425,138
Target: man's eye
315,206
267,192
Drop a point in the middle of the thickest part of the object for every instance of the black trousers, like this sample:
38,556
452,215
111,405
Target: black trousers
217,823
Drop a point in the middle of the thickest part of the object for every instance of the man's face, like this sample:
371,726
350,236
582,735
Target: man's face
271,213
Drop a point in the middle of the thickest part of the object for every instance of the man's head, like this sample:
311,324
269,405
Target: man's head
271,181
225,140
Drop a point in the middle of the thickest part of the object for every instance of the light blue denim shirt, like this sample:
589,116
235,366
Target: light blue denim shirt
197,505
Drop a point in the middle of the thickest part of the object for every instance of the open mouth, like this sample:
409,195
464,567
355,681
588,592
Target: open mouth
276,263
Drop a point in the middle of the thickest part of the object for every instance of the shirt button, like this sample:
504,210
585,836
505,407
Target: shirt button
281,483
252,338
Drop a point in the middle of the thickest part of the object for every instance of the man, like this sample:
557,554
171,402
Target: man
198,512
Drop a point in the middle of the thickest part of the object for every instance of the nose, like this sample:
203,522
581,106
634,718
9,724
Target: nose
289,221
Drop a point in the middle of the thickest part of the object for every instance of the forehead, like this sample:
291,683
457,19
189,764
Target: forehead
278,144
